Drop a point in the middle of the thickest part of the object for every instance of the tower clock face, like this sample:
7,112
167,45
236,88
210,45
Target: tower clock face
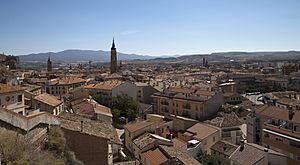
7,98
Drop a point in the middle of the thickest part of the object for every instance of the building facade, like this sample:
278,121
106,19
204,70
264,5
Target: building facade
197,107
12,98
276,128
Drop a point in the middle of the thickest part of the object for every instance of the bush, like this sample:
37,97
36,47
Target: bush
57,145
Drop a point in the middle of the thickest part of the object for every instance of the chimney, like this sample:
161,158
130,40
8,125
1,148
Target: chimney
81,126
242,145
291,112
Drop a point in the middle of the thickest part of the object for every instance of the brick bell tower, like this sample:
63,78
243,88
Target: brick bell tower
113,58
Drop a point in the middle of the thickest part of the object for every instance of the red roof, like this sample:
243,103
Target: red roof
278,113
132,127
155,157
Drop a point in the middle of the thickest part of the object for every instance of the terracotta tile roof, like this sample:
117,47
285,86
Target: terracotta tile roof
67,80
251,154
155,157
83,107
202,130
278,113
105,85
288,101
89,107
205,93
91,127
48,99
225,120
182,156
132,127
5,88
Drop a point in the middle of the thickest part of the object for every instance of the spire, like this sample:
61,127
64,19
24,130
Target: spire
113,44
49,58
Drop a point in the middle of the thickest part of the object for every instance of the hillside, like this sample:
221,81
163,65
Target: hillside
79,55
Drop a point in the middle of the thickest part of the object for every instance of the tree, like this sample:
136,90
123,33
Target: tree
125,106
57,145
102,99
14,149
205,158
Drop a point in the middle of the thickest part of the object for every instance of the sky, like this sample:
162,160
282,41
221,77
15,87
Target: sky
149,27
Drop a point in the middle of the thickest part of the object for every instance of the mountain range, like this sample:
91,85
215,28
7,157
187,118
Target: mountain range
76,55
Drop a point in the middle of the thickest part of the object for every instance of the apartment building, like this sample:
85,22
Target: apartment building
62,86
188,103
276,128
12,98
144,92
113,88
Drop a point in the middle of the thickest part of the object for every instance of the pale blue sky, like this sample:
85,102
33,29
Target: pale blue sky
152,27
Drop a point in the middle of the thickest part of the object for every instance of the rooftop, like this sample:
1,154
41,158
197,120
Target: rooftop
132,127
278,113
225,120
155,157
250,154
67,80
105,85
92,127
201,130
224,147
144,140
182,156
87,106
48,99
5,88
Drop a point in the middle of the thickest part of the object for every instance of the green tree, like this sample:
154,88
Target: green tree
125,106
102,99
14,149
205,158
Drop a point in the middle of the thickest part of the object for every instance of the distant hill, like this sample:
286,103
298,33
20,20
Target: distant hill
104,56
76,55
227,56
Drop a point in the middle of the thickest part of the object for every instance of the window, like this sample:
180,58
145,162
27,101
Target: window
7,99
20,98
214,139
